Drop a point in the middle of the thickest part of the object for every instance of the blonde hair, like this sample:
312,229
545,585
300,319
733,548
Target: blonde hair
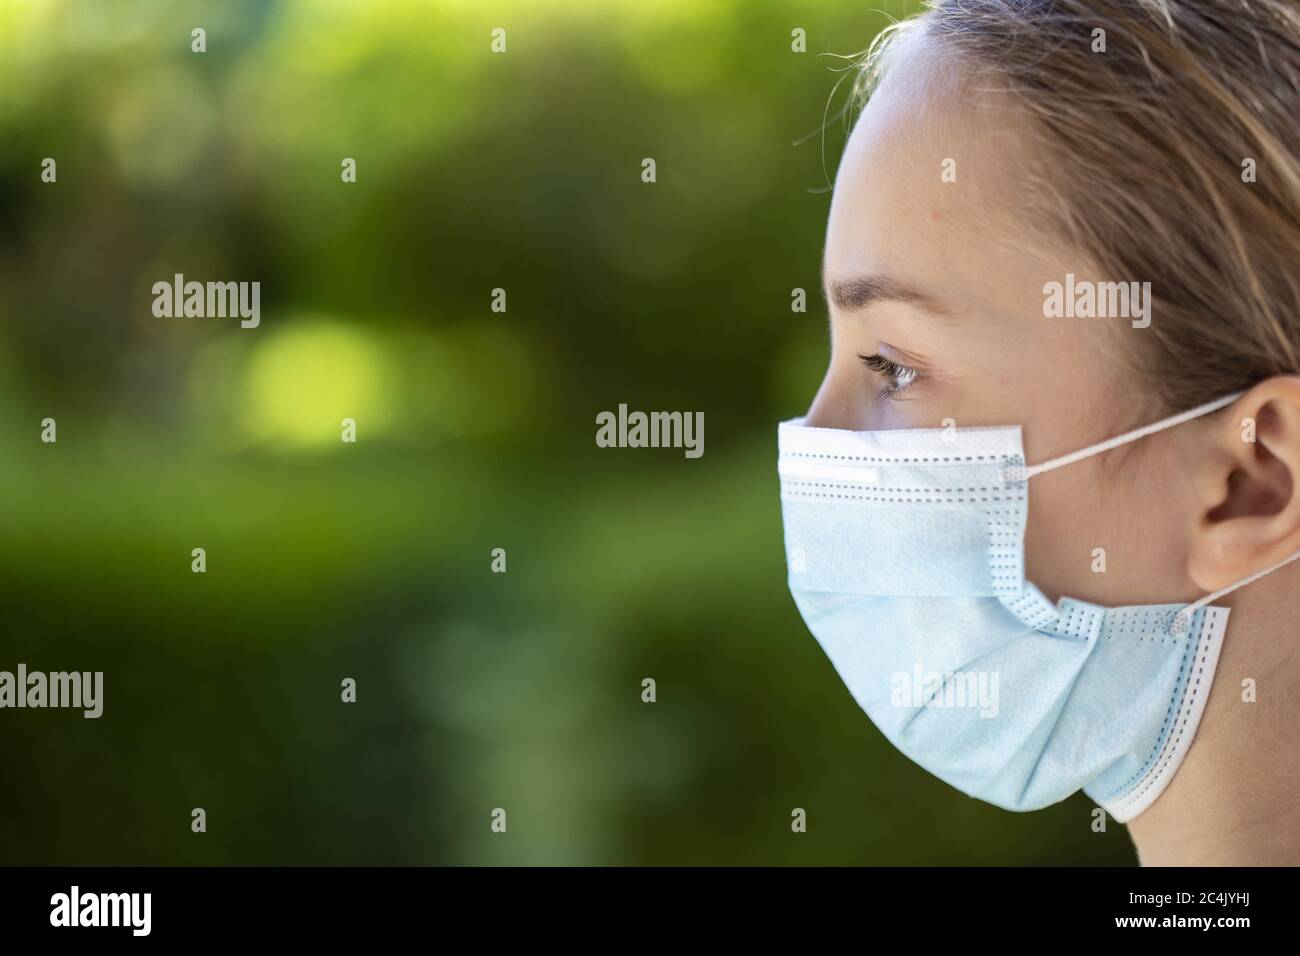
1150,141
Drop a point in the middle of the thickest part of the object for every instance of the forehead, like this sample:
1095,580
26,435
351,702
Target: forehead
931,186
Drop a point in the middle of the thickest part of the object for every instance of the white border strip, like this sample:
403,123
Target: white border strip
1205,660
958,445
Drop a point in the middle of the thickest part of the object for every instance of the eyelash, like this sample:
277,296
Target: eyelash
900,377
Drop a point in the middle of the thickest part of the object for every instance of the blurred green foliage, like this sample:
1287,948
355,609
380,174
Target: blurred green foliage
476,431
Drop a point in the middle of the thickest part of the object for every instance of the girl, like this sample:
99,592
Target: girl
1061,418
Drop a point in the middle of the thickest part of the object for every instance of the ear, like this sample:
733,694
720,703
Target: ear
1248,481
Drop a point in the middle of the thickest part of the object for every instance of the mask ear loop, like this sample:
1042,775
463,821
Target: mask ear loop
1023,473
1182,621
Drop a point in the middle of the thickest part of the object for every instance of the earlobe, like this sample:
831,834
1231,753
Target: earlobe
1250,481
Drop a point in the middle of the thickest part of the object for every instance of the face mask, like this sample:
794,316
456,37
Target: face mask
906,560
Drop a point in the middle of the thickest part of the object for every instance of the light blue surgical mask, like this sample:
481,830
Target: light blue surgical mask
906,559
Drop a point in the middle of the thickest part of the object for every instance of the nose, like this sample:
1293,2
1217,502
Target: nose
837,406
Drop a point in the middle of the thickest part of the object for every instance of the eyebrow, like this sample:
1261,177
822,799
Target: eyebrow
852,295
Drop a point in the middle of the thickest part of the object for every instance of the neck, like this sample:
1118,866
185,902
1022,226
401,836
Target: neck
1233,801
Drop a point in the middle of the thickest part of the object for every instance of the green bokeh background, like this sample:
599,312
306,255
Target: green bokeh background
476,431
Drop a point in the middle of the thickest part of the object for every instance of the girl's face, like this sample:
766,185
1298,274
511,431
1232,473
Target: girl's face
935,290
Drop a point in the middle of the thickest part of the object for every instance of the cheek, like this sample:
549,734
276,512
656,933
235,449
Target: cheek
1107,542
1057,545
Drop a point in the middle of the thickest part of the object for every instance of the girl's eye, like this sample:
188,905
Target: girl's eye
897,377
